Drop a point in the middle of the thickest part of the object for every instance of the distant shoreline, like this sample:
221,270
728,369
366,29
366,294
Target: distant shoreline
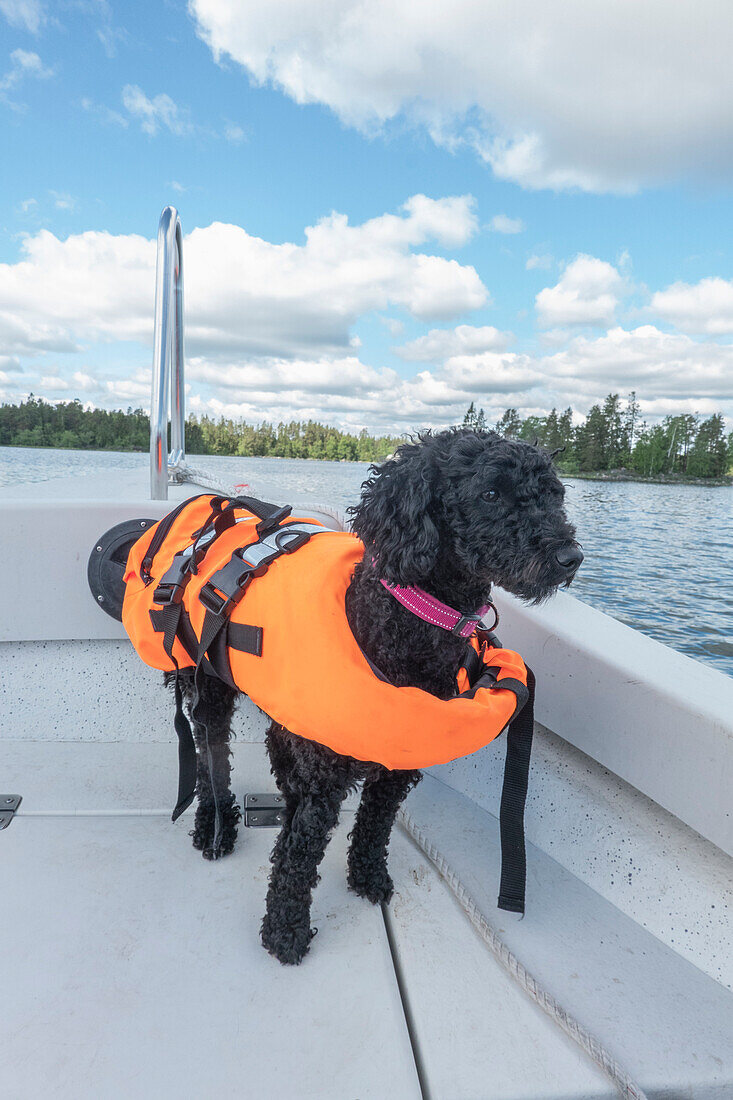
658,479
592,475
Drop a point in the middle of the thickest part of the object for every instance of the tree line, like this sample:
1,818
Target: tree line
38,423
613,436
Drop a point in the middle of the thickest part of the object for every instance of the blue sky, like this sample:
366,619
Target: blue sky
269,124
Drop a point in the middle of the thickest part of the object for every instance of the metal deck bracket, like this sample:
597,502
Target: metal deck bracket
263,810
8,805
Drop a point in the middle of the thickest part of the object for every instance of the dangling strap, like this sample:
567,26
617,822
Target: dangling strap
220,595
168,618
513,798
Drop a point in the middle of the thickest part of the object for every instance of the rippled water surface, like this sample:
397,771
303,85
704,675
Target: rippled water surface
658,557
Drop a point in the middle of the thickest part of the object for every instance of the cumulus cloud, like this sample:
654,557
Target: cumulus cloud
340,375
669,367
706,306
244,295
607,98
441,343
354,394
501,223
587,294
29,15
270,327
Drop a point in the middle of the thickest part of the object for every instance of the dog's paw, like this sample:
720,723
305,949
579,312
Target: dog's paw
203,832
289,944
371,882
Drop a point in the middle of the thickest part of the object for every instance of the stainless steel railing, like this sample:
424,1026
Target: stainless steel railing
168,366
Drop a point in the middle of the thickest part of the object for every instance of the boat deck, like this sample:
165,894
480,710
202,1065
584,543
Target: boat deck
132,967
135,969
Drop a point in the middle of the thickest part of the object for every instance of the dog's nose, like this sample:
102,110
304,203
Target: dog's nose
569,557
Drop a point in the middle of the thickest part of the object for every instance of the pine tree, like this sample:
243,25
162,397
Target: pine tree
510,424
590,444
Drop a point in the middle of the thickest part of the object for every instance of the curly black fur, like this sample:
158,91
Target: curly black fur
453,512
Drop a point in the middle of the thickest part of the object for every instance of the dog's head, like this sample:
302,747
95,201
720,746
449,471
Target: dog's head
463,509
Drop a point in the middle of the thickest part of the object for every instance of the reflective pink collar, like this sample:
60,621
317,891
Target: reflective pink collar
429,609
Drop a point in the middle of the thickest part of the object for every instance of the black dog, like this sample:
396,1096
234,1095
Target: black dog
454,513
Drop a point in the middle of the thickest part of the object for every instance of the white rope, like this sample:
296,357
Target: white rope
590,1044
208,481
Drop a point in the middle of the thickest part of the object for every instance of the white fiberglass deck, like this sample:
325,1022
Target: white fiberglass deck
132,967
136,969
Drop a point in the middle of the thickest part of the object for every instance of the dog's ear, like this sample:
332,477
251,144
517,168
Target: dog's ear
393,517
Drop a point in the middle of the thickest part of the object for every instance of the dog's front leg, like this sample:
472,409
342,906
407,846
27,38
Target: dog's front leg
314,789
367,860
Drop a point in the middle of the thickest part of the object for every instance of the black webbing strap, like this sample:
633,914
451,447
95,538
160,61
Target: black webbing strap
170,617
214,623
222,508
513,798
168,620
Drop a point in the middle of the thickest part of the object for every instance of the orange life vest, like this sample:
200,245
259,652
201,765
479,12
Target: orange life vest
288,645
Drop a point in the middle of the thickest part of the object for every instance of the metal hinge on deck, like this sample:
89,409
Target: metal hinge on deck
8,805
261,810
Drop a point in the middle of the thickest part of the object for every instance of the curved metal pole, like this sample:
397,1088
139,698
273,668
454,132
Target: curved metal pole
168,362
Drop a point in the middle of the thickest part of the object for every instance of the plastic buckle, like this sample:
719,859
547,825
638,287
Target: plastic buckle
212,600
463,623
227,586
168,593
171,585
266,526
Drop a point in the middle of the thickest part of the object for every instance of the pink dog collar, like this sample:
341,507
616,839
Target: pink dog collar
429,609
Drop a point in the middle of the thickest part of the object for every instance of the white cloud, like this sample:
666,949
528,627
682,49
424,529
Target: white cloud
62,201
322,377
608,97
394,326
539,263
587,294
29,15
441,343
244,295
23,64
706,306
233,133
106,114
659,365
270,327
671,374
501,223
160,111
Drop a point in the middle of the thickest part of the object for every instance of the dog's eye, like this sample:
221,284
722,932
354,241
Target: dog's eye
491,495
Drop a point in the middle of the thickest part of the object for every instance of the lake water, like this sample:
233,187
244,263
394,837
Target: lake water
658,557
